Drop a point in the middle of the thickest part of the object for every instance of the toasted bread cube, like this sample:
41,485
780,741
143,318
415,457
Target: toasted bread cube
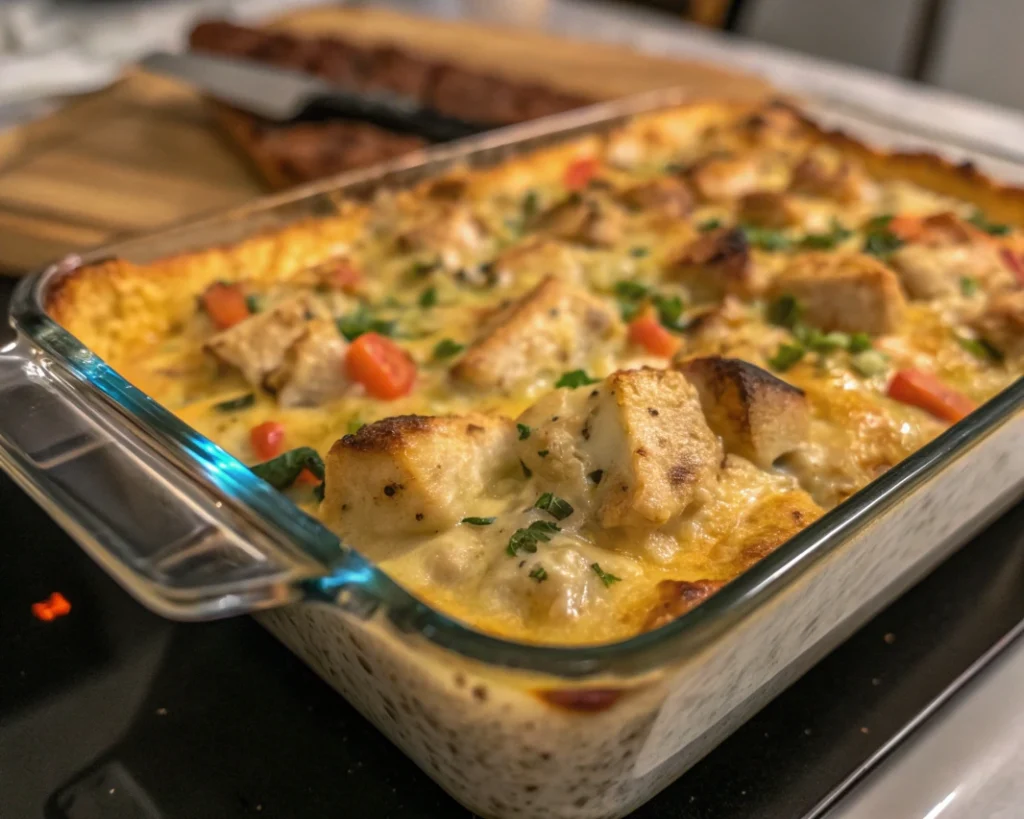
550,329
759,416
414,474
583,219
1002,324
829,175
312,371
849,292
258,345
667,196
529,262
770,209
717,264
635,447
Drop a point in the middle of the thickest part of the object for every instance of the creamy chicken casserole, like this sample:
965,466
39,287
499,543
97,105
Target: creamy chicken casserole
567,398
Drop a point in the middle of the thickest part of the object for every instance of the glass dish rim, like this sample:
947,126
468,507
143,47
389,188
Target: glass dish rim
637,654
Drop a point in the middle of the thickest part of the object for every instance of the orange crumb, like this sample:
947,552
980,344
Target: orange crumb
52,608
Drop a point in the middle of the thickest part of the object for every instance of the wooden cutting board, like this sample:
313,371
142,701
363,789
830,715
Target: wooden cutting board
145,153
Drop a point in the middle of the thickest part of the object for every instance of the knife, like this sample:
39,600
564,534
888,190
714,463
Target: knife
283,95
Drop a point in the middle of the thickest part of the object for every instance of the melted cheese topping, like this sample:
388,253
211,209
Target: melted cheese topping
580,234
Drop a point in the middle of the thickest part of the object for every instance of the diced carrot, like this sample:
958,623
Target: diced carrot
345,276
308,478
579,172
1014,263
381,366
267,439
225,304
906,226
924,390
56,605
647,331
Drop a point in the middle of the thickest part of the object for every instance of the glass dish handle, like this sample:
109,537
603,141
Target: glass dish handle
171,543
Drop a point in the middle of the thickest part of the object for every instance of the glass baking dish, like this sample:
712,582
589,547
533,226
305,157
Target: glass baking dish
507,728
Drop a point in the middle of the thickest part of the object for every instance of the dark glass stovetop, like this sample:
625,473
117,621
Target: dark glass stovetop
113,713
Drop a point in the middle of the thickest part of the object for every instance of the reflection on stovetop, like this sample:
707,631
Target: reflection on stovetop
112,712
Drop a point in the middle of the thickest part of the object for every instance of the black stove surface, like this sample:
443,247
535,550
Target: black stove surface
111,712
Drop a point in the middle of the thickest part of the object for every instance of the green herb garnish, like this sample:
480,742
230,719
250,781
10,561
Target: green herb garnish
354,425
281,472
876,223
968,285
993,228
558,508
525,540
530,205
254,303
479,521
527,472
670,310
446,348
420,269
362,321
825,241
232,404
785,311
524,431
859,342
428,298
882,243
575,379
709,225
786,356
630,295
766,238
979,348
543,453
538,573
869,363
606,577
639,252
820,342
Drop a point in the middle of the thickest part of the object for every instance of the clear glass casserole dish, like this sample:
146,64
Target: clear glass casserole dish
506,728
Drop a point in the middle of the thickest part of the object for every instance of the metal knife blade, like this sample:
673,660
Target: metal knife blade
285,95
268,91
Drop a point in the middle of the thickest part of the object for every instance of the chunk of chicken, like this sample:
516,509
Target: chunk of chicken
258,345
665,196
936,272
453,234
414,474
583,219
634,448
941,251
1002,324
552,328
312,372
716,264
830,175
850,292
759,416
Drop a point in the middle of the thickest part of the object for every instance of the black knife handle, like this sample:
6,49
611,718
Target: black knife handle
391,113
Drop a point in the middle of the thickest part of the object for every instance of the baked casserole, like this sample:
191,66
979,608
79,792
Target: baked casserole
568,397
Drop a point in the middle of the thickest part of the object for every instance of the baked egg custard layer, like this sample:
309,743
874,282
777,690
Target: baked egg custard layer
567,398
